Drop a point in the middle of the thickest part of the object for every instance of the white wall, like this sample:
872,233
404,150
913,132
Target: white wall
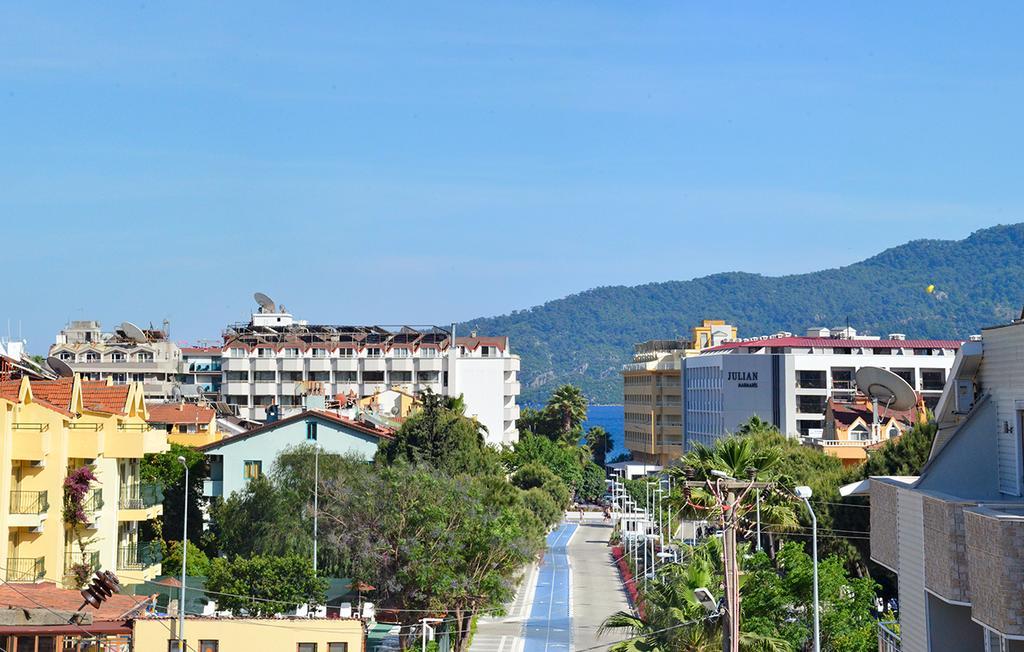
482,382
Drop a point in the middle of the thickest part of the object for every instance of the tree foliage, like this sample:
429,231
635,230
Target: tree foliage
165,470
265,585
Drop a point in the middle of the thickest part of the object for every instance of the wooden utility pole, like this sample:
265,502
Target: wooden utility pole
729,492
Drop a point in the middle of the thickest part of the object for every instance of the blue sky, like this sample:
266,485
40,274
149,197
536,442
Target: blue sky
430,162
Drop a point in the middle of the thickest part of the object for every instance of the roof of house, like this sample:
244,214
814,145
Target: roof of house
179,413
831,343
847,413
46,595
101,397
54,393
472,343
366,428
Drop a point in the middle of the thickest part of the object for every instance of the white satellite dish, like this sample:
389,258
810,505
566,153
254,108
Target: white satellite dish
59,367
133,332
886,387
266,303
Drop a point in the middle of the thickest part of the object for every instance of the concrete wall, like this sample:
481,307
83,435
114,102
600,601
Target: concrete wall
950,628
332,437
482,382
965,466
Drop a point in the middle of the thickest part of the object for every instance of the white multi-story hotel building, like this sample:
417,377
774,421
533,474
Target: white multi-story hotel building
277,360
787,380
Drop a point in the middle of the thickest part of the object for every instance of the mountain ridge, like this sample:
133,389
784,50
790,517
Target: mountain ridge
585,337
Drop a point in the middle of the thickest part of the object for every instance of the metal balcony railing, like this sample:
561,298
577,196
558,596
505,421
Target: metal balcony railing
141,496
25,569
93,501
139,556
29,502
888,640
91,557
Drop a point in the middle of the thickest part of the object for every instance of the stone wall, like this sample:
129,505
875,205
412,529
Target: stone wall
945,549
995,558
884,528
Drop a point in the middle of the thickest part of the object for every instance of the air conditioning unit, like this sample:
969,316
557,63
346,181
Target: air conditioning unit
964,396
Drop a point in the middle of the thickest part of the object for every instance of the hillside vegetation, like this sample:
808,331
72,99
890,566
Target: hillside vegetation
585,338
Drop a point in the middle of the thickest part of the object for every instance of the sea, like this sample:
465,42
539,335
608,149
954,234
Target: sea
609,417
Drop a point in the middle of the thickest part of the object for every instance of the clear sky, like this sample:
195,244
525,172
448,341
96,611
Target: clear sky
428,162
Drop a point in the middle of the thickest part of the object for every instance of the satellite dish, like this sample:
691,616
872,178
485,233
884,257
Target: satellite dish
886,387
266,303
176,393
59,367
133,332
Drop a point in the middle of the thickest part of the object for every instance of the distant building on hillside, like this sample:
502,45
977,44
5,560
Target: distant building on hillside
652,399
850,431
787,380
954,534
126,355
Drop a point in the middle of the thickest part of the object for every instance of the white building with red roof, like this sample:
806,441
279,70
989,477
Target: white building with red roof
787,380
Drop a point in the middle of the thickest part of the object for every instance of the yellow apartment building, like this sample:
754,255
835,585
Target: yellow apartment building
248,634
188,424
50,428
652,392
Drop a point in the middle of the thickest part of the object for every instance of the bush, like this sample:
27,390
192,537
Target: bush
533,475
558,492
543,506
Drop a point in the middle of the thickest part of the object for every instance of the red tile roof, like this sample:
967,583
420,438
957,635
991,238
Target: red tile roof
55,392
830,343
847,413
179,413
472,343
46,595
369,429
100,397
9,389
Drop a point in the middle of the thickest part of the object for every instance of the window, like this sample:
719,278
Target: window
253,469
172,646
428,352
373,376
307,647
374,353
145,356
138,378
427,376
236,353
265,352
92,357
117,357
119,379
485,351
318,352
345,353
311,430
266,376
209,646
291,353
66,356
337,647
346,376
400,352
401,376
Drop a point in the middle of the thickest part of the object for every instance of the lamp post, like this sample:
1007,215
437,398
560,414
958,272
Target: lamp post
184,562
316,501
805,493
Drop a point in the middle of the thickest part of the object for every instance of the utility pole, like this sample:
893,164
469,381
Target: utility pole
729,493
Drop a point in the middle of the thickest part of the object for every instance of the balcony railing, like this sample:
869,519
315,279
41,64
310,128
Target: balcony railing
92,558
29,502
139,556
93,501
888,640
141,496
25,569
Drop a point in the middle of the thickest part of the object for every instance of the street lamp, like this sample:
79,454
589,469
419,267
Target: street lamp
184,561
805,493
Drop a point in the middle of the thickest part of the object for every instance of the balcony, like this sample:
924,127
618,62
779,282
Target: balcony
213,487
374,364
290,364
512,363
140,502
235,388
265,364
512,413
73,558
429,364
29,508
30,443
137,557
235,364
264,388
995,561
26,569
888,639
400,364
512,389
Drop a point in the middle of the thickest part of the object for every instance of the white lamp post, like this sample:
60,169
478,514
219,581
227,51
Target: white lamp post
184,562
805,494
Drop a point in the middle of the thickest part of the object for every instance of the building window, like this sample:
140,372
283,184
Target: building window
337,647
92,357
485,351
307,647
266,376
401,376
117,357
311,430
138,378
373,376
145,357
400,352
253,469
346,376
317,353
66,356
428,352
172,645
236,353
374,353
265,352
345,353
291,353
209,646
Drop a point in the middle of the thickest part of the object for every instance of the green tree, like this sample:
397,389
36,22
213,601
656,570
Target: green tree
441,438
598,441
261,519
198,562
564,460
592,484
270,584
904,455
165,470
570,405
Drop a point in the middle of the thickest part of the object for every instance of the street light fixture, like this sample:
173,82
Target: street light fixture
805,493
184,561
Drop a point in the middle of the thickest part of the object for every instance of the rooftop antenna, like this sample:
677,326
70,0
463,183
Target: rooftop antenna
266,303
880,384
133,332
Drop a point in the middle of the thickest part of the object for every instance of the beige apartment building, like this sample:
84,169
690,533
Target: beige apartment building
652,392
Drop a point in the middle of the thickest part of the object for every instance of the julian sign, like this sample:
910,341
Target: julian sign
743,378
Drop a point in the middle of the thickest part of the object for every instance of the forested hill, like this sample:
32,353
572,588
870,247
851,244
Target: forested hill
586,337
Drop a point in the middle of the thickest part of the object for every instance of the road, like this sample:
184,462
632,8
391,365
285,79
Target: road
563,600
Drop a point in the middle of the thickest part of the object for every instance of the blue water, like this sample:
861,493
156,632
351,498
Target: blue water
549,628
609,417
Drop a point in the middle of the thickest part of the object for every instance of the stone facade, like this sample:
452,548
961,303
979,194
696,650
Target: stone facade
995,557
884,527
945,549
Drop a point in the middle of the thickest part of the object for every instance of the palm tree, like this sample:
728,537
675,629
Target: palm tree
569,404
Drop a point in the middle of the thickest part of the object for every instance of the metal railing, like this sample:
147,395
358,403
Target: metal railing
29,502
888,640
139,556
93,501
25,569
91,557
140,496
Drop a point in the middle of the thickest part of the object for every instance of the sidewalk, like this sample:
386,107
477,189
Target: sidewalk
596,589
